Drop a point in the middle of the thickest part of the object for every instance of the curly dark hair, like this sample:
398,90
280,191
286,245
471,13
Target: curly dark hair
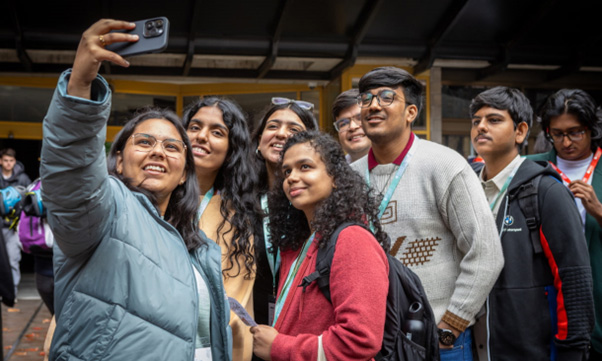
184,201
350,201
236,181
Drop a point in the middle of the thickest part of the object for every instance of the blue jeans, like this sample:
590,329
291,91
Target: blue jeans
462,350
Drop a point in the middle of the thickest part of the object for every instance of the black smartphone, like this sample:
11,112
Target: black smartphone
152,38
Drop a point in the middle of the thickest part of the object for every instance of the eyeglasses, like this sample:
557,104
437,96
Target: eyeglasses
384,98
145,143
574,136
301,103
342,125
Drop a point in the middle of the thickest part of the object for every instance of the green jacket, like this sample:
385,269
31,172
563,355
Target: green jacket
124,282
593,235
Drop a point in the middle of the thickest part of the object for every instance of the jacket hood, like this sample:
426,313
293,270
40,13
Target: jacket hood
530,169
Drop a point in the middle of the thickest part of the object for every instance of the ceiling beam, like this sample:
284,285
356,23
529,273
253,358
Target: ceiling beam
444,24
364,21
194,24
282,13
20,47
530,21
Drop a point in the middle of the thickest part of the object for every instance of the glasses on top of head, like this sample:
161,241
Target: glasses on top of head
173,148
574,136
342,125
301,103
384,98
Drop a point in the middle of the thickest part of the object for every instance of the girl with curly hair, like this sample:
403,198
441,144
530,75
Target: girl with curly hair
221,145
315,190
283,118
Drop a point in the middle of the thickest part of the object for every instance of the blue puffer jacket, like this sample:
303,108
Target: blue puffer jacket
124,282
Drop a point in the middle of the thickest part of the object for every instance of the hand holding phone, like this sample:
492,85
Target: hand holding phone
152,38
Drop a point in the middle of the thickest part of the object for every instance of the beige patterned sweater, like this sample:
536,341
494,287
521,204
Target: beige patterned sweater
442,228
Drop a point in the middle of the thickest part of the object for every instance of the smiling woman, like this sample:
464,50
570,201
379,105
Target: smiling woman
134,277
221,146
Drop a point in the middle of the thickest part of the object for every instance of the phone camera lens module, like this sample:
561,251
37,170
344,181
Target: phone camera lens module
149,25
159,23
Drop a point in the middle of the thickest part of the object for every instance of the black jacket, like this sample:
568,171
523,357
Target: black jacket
542,302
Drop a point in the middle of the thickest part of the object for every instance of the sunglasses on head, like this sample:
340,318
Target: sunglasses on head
301,103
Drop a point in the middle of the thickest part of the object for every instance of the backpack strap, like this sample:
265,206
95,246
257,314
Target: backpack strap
324,261
528,201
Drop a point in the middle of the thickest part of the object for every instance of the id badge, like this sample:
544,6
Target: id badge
271,309
203,354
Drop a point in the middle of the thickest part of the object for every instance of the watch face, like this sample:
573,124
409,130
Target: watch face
446,337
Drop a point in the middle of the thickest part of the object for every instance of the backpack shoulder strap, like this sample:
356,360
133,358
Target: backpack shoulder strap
323,262
528,201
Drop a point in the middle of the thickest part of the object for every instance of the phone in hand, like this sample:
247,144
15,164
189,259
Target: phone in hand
152,38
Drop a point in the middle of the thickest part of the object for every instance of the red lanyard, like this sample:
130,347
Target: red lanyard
588,172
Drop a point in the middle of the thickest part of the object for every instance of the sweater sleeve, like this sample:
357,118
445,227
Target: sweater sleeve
565,248
359,298
73,167
470,220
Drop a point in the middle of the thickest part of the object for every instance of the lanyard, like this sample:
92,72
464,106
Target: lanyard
204,203
273,261
291,276
504,187
588,172
402,168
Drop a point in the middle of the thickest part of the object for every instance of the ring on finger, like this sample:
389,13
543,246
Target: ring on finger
102,41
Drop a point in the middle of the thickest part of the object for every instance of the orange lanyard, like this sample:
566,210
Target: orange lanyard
588,172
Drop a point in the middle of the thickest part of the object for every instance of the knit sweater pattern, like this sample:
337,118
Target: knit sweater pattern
442,228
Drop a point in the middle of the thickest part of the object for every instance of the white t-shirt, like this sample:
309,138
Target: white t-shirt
575,170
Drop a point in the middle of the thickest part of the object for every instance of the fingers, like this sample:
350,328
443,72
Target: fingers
99,35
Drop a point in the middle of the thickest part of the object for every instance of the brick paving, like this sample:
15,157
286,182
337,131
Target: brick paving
14,321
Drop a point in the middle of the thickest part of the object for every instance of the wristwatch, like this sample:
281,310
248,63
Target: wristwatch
446,337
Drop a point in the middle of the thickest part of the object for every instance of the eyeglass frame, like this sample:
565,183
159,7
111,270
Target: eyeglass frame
570,135
301,103
152,137
378,98
356,118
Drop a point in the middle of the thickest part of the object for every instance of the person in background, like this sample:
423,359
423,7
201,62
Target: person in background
440,227
283,118
221,145
348,124
134,276
572,123
13,174
314,193
541,307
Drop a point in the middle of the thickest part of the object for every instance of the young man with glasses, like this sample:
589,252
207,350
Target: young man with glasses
348,124
574,128
438,219
541,307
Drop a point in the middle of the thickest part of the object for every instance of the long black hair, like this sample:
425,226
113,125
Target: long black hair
236,180
350,201
307,118
184,201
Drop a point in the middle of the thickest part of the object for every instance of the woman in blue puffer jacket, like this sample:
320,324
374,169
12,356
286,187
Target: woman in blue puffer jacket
134,277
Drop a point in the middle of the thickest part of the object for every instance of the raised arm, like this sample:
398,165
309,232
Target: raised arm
73,166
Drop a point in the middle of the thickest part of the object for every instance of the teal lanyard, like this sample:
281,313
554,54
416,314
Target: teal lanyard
504,188
274,262
291,276
402,168
204,203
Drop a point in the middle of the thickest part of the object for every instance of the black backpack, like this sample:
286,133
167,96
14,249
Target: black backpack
406,305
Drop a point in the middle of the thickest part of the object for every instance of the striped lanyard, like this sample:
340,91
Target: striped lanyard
292,273
204,203
400,171
493,204
273,261
588,172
